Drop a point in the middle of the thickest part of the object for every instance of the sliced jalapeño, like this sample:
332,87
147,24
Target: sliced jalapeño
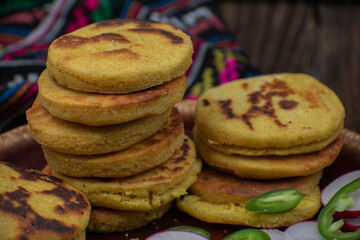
274,201
342,200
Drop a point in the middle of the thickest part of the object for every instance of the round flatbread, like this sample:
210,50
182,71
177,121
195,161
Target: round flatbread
144,191
217,197
269,167
73,138
238,215
138,158
230,149
105,56
106,109
37,206
270,111
219,187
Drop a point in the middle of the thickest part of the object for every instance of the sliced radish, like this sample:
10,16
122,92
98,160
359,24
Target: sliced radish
351,224
176,235
192,229
307,230
275,234
329,191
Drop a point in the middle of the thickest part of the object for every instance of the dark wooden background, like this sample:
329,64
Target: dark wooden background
321,38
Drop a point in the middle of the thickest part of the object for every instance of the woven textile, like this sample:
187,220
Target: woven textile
27,27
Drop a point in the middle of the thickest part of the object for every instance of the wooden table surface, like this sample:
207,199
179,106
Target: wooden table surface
321,38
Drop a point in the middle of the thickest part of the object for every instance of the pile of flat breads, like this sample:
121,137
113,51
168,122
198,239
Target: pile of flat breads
107,124
259,134
106,121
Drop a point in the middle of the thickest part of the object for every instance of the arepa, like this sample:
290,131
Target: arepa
119,56
36,206
135,159
277,114
217,197
73,138
144,191
94,109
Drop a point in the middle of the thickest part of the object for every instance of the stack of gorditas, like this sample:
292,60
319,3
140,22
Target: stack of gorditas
106,120
264,133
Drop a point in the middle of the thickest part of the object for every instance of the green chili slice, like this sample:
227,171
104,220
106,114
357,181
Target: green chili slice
338,203
248,234
279,200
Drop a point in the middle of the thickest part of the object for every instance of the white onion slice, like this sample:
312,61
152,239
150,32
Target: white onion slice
307,230
176,235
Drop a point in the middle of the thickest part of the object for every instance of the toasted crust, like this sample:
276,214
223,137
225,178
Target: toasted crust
105,109
38,206
140,157
270,111
105,56
73,138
